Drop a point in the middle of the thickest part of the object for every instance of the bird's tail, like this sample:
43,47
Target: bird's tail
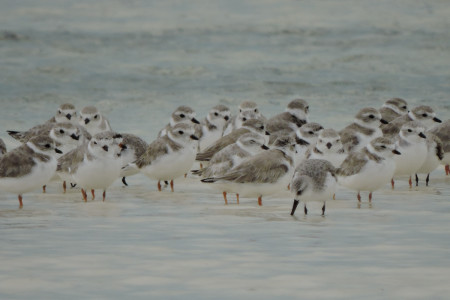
17,135
209,180
129,170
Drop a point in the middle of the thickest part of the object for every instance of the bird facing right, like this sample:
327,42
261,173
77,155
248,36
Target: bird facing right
370,168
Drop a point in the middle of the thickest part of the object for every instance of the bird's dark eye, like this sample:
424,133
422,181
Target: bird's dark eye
252,141
182,115
404,107
424,115
371,116
320,141
262,127
96,116
240,110
311,132
383,146
180,132
307,108
95,143
256,110
47,146
61,131
216,114
409,130
59,112
244,119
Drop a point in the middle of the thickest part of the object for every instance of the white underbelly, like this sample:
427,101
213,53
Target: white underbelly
371,177
171,166
98,173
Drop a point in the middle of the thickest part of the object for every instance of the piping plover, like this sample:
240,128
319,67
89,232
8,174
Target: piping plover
328,147
66,113
169,156
253,125
435,154
2,148
93,165
370,168
365,127
93,120
393,108
28,167
134,148
296,114
442,131
212,127
247,110
411,142
183,114
262,174
313,180
232,155
305,139
423,114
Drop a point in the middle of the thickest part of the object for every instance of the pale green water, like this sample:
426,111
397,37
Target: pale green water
137,61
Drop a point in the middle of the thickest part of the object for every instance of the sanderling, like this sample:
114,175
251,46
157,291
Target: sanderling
28,167
313,180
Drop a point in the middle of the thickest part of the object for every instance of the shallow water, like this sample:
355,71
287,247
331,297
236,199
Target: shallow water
137,61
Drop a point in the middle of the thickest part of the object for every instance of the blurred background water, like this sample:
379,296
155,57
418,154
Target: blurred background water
137,61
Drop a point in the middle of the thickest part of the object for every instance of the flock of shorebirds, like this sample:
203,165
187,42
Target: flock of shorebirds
245,154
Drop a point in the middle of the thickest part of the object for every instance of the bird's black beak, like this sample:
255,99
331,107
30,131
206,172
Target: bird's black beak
86,121
58,151
383,121
75,137
437,120
105,148
264,147
194,120
267,133
422,135
69,116
329,145
122,146
395,151
194,137
294,206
